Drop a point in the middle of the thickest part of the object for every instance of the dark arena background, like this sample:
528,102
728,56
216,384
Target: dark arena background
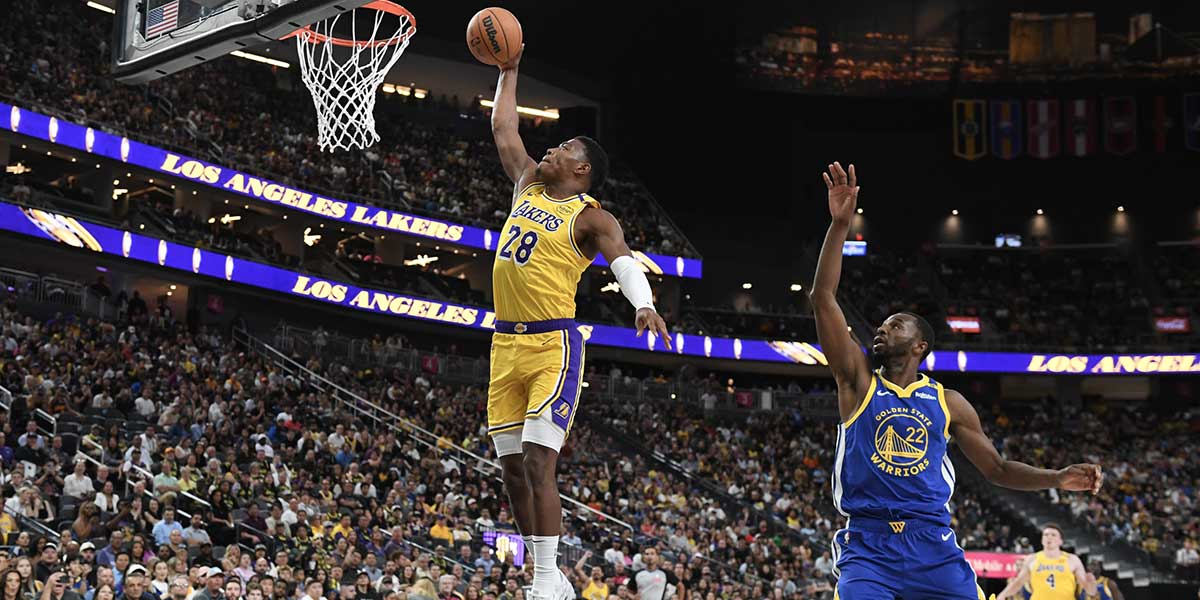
235,365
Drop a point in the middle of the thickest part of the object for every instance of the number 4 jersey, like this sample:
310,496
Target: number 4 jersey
538,261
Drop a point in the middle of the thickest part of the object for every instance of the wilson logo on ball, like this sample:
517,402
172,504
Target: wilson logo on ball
490,28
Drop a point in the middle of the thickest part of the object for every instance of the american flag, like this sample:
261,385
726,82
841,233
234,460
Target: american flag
162,19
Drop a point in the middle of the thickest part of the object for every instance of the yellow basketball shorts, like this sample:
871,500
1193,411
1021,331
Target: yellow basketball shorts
537,370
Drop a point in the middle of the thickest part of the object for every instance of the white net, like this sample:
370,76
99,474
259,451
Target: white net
343,75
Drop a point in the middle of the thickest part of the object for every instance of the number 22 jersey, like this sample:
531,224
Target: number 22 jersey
891,462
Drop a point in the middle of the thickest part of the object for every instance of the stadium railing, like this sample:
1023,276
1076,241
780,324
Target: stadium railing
195,501
366,409
64,293
359,352
455,367
46,422
21,283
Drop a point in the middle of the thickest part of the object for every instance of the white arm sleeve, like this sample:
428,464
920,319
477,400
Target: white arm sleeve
633,282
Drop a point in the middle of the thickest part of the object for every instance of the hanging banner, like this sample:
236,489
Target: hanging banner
1081,127
970,140
1043,128
1162,120
1007,134
1120,125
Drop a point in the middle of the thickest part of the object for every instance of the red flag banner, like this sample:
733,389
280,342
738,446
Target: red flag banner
1160,114
1043,128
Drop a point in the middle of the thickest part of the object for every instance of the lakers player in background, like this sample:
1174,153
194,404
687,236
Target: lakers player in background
892,476
1053,574
553,232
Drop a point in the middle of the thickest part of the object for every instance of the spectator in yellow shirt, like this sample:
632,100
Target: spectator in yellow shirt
440,531
7,523
597,587
343,528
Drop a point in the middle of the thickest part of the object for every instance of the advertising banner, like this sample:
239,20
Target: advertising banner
99,143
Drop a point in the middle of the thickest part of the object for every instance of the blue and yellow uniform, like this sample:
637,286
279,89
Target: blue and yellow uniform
893,479
1103,590
1052,578
537,350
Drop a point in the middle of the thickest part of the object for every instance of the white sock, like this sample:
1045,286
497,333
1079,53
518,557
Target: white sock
545,564
528,548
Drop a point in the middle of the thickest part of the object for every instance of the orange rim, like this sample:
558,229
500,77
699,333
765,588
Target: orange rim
386,6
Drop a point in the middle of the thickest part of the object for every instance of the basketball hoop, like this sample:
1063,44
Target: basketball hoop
343,73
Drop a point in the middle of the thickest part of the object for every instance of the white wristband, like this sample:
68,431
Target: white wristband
633,282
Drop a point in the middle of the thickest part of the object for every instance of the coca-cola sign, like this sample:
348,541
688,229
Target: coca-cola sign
1172,324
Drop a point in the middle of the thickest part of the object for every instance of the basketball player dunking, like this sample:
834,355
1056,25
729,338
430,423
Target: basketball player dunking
553,232
892,477
1053,574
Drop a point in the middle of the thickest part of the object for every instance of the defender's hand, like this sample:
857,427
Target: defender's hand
647,319
513,62
1081,478
843,192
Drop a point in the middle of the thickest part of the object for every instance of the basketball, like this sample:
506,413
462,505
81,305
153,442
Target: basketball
494,36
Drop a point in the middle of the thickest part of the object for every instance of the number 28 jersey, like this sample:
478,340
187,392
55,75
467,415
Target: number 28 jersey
538,261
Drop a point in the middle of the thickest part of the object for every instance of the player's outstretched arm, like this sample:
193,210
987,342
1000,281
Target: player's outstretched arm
600,233
966,428
1115,590
846,359
1017,583
1076,565
517,164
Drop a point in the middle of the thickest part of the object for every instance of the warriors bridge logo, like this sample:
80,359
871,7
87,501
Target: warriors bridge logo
901,441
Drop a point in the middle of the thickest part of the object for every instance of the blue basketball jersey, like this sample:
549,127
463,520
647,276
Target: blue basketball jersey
891,462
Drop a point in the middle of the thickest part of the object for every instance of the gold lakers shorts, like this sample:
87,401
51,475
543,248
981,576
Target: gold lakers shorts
537,369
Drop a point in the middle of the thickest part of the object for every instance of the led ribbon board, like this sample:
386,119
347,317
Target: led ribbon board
87,139
92,237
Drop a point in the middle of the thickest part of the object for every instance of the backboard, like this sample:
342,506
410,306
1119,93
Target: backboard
154,38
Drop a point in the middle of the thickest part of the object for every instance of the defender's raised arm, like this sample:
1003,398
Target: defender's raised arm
846,359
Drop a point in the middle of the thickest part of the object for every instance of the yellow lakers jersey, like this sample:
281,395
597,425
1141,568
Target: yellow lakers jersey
594,591
538,262
1052,578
